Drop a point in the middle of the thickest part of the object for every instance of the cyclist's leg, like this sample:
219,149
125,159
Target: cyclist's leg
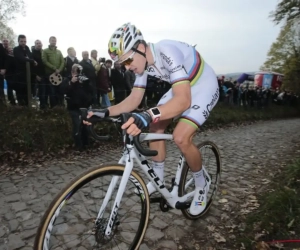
183,136
159,145
205,94
158,162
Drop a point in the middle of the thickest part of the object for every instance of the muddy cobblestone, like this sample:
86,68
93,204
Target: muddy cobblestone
245,152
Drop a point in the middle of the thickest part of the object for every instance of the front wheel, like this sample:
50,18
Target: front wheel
73,221
212,161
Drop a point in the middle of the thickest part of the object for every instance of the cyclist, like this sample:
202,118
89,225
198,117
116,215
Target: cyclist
193,95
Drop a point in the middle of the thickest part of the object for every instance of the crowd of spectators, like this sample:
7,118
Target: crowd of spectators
247,95
57,81
89,82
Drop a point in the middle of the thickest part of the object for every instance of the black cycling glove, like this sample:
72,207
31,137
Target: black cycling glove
142,120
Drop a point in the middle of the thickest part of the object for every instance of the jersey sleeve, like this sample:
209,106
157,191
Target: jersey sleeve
172,59
140,81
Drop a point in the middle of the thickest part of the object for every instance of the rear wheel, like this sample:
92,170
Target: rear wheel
212,161
71,221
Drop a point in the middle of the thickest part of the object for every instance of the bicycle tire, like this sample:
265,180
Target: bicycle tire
185,171
80,181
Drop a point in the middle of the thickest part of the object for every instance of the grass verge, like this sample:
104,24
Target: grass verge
279,213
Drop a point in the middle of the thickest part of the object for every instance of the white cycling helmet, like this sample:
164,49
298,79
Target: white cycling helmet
123,40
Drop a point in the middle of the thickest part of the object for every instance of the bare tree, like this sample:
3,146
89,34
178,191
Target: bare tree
9,9
8,33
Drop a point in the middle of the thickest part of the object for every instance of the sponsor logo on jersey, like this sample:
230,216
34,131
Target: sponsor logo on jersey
177,68
150,69
209,106
166,59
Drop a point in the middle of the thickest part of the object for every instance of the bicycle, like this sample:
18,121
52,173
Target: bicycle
109,224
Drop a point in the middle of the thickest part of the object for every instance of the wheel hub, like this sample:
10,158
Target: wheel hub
100,227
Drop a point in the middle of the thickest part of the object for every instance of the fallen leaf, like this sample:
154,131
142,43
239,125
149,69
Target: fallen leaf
224,192
211,228
197,247
252,197
262,246
257,236
242,247
253,201
291,223
278,245
219,238
232,237
224,217
223,201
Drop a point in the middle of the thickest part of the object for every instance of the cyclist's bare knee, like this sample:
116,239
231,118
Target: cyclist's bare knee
183,136
159,127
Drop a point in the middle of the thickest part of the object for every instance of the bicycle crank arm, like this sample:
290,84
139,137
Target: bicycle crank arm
155,199
182,205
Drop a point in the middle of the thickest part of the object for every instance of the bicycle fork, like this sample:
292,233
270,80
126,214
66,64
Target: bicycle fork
121,190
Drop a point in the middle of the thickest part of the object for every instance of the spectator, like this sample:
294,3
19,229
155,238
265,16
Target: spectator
70,60
104,83
108,64
2,73
130,79
89,71
118,83
6,43
9,75
39,74
22,55
96,64
244,92
54,63
235,96
79,94
251,97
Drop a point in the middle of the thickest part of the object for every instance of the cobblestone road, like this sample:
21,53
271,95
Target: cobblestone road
247,154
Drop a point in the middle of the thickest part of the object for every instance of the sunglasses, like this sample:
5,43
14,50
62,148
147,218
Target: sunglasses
127,61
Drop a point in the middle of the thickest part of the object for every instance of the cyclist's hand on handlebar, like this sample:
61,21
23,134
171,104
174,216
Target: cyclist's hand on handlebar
137,122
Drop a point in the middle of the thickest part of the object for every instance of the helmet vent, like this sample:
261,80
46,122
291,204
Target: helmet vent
128,34
128,41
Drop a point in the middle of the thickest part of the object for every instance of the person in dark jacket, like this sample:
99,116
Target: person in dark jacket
104,84
39,74
2,72
9,75
79,94
70,60
22,55
89,71
118,82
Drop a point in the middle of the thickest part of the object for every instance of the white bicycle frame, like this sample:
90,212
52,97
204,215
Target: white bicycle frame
130,153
